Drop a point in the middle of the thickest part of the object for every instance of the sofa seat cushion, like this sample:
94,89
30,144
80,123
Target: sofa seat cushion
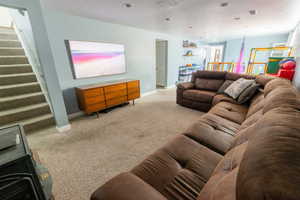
257,103
180,169
232,112
254,118
126,186
199,95
222,97
214,132
222,183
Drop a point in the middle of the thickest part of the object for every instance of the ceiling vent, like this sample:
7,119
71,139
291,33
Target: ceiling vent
169,3
253,12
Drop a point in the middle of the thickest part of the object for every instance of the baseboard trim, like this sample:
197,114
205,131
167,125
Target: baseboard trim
148,93
64,128
75,115
171,86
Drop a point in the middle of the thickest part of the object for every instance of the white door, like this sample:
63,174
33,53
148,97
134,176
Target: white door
161,62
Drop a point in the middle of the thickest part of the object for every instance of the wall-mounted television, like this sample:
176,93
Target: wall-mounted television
91,59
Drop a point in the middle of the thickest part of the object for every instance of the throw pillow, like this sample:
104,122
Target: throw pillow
248,93
237,87
225,85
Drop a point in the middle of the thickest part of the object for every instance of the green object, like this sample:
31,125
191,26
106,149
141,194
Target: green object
273,65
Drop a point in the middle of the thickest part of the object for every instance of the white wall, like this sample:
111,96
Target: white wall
139,44
295,42
233,47
5,19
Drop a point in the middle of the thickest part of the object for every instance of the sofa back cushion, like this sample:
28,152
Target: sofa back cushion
282,97
276,83
208,75
222,184
208,84
270,168
235,76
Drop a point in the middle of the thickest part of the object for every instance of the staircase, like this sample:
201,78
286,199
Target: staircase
21,98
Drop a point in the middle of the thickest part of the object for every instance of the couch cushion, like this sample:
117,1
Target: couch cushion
214,132
263,80
276,83
235,76
208,75
232,112
208,84
180,169
270,168
201,106
256,104
237,87
126,186
199,95
222,98
222,183
282,97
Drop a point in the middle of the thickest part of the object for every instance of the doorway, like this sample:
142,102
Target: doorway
161,63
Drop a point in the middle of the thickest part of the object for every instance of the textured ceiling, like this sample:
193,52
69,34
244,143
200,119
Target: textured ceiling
201,19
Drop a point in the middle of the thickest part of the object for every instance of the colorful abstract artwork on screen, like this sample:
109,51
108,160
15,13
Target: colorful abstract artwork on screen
92,59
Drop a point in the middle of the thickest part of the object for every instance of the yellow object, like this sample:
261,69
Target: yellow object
251,65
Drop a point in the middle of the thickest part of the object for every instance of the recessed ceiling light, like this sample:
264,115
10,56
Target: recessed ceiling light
237,18
224,4
168,19
190,27
127,5
253,12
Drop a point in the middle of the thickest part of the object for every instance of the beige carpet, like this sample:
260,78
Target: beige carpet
95,150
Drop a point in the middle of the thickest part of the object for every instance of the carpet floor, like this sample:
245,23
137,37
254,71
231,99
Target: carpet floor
96,149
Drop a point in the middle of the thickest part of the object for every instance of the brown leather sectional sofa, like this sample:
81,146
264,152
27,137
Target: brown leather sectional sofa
233,152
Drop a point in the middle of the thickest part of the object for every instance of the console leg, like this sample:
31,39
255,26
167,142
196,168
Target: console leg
133,103
97,114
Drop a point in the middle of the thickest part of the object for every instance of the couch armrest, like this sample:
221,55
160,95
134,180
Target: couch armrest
126,186
186,85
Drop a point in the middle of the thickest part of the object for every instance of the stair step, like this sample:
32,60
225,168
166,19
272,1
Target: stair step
15,69
21,100
6,29
37,123
19,89
11,60
11,51
11,79
8,36
10,43
23,113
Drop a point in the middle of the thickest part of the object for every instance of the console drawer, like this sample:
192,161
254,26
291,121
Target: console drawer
133,84
94,100
114,88
116,101
95,107
116,94
93,92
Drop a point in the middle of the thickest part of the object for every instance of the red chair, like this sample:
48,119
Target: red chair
287,71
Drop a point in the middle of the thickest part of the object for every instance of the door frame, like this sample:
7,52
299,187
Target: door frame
165,81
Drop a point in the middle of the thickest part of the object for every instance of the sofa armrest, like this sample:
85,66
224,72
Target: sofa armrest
186,85
126,186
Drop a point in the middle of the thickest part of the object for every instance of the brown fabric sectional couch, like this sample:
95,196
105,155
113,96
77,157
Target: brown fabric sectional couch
233,152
